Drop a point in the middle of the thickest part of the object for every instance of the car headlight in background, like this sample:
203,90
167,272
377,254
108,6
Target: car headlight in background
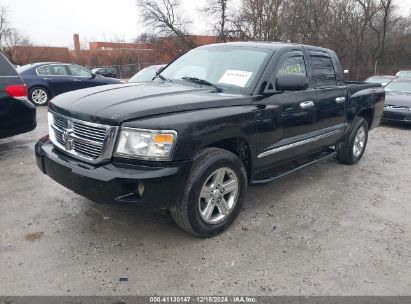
146,144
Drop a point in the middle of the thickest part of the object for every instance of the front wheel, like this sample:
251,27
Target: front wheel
39,96
213,194
352,147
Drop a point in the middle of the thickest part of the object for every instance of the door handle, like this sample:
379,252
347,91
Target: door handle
46,78
340,100
78,80
306,104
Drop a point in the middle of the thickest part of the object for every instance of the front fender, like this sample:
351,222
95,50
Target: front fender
201,128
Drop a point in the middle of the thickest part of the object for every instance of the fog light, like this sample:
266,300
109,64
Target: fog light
140,189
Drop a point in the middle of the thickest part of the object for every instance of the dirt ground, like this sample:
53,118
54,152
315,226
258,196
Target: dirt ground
330,229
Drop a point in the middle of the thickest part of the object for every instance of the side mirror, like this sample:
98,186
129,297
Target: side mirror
93,75
291,82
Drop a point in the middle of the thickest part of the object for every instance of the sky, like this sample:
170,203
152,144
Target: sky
53,22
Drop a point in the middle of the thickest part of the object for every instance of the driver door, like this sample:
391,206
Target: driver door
289,119
81,77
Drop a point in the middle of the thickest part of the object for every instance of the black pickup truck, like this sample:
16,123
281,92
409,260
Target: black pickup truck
215,120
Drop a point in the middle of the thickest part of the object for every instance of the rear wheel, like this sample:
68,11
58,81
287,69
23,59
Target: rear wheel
351,149
213,194
39,96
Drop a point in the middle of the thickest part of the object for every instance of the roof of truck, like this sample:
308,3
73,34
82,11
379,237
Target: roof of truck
269,45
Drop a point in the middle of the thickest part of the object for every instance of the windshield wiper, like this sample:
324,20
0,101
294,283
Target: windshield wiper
162,78
202,82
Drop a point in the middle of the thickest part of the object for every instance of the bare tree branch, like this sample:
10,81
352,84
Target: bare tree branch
165,17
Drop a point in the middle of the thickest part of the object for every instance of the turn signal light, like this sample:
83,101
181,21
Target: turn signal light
163,139
17,91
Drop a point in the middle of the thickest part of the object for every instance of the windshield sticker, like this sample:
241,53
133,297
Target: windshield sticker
235,77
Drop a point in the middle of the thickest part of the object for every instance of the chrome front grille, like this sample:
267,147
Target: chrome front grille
83,140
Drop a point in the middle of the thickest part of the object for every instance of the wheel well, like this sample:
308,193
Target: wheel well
368,115
239,147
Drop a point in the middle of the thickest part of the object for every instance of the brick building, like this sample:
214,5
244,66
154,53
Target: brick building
129,56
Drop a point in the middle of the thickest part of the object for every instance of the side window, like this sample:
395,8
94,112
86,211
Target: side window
42,71
292,65
323,71
55,70
79,72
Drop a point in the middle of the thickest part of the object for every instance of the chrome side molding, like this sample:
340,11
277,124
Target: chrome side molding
299,143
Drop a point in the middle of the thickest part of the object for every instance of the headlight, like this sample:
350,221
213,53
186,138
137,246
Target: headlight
146,144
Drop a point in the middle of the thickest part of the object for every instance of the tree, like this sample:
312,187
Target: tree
217,10
10,37
369,36
166,18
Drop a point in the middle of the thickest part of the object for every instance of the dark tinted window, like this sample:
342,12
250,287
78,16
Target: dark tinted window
323,71
6,69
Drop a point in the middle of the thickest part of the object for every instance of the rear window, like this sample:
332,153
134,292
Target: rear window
6,69
323,69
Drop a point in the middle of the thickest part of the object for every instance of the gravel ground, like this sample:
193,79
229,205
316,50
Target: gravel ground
330,229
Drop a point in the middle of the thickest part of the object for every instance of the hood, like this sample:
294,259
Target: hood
397,99
114,104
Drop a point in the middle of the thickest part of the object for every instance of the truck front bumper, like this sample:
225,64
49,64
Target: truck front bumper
155,187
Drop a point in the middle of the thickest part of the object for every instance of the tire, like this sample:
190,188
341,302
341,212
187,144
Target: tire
193,212
352,147
39,96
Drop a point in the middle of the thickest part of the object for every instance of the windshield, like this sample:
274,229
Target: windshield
146,74
404,74
228,67
398,86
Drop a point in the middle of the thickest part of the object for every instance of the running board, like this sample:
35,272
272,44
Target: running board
316,159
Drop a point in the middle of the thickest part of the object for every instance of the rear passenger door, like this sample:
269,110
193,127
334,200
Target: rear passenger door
330,97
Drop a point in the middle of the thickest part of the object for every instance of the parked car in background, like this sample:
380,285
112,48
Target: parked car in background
148,73
17,114
397,107
49,79
383,80
217,118
105,71
404,74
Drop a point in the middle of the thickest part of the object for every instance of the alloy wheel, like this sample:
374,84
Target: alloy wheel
359,142
39,96
218,196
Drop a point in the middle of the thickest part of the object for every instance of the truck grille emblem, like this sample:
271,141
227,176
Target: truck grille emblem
67,139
